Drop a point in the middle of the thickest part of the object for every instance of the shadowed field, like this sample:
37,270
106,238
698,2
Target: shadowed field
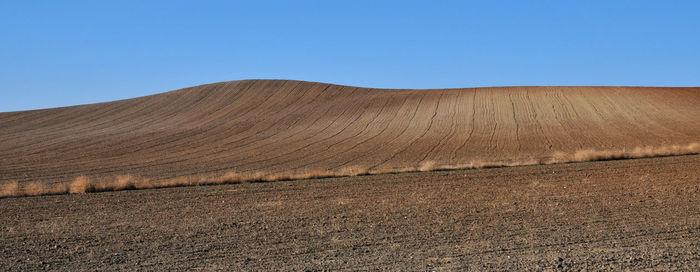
277,126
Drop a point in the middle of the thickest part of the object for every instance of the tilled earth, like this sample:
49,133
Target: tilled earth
614,215
289,127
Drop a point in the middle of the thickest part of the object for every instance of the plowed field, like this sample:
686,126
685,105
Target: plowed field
630,214
613,215
277,126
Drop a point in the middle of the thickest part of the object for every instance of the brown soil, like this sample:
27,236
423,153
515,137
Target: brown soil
613,215
277,126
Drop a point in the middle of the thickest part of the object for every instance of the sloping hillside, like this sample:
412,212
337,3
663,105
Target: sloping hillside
290,126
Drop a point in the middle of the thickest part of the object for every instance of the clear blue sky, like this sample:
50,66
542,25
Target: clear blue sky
58,53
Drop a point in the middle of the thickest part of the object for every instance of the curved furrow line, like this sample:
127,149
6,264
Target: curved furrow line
161,143
134,142
653,113
517,125
139,112
46,132
179,159
471,128
569,128
359,116
405,128
288,138
297,132
451,131
537,121
277,126
248,140
609,119
209,136
430,124
40,120
583,126
141,165
449,143
381,109
372,150
346,150
630,116
229,149
453,141
367,141
53,121
126,127
236,166
89,144
492,146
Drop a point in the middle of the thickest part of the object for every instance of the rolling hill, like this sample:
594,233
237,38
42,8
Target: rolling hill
283,126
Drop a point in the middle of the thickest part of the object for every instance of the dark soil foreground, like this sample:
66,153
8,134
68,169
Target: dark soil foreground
615,215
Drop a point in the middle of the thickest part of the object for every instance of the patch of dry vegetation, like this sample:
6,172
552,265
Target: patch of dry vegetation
79,185
426,166
9,189
639,152
84,184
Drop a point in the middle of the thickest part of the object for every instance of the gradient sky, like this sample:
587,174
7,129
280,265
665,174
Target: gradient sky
59,53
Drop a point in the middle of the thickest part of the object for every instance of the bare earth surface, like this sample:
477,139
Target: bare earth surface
614,215
277,126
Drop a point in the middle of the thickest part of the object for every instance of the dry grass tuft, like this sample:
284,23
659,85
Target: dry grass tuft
231,178
351,171
426,166
9,189
277,177
57,189
558,157
638,152
79,185
34,189
123,182
317,174
84,184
